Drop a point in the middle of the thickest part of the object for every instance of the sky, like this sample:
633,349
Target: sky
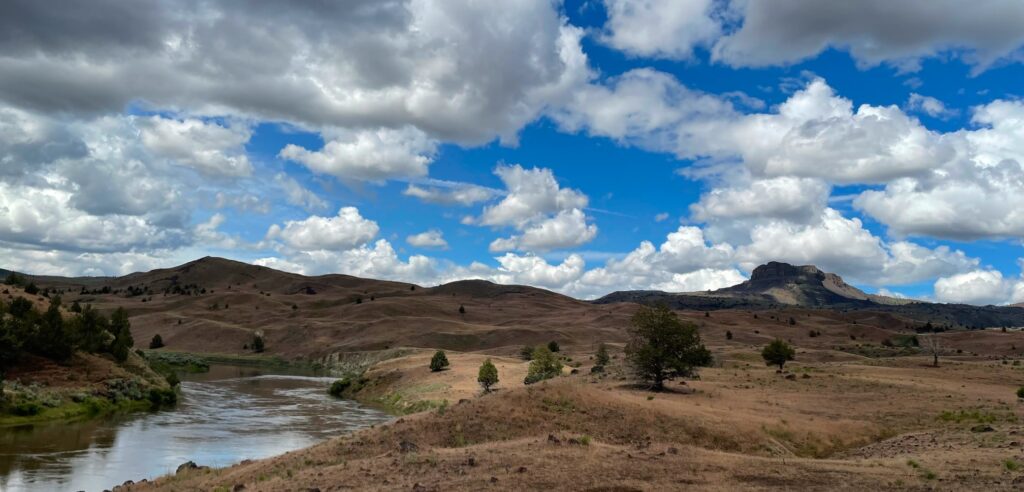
579,146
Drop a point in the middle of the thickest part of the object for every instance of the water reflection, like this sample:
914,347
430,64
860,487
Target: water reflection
224,416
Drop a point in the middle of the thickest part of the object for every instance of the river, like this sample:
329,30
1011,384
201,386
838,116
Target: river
224,416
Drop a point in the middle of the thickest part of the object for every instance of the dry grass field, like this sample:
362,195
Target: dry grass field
825,424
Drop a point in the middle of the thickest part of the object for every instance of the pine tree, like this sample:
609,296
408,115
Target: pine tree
156,342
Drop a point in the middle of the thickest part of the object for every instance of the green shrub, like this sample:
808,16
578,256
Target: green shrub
553,346
439,361
26,408
526,353
543,366
156,342
1020,392
162,397
338,387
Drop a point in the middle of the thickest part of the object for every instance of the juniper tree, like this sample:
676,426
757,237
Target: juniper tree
662,347
488,375
777,353
439,361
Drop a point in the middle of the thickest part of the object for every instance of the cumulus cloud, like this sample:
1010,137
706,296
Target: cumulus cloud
346,230
531,193
873,31
370,155
567,229
209,148
842,245
363,63
979,287
428,239
660,28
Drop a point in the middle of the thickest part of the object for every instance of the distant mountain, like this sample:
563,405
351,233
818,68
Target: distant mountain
776,284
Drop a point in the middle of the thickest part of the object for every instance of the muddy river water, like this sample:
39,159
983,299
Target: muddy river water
224,416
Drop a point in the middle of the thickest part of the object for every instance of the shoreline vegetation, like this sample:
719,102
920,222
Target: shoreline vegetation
61,362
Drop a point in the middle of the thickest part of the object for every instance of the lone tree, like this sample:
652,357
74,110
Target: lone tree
526,353
728,335
777,353
661,347
553,346
439,361
933,347
462,309
257,343
488,375
156,342
601,359
543,366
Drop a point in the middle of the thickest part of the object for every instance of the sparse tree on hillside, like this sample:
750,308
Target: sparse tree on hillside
76,307
661,347
488,375
90,329
544,365
553,346
439,361
462,309
122,331
777,353
728,335
14,278
526,353
601,359
156,342
31,289
53,340
932,346
257,344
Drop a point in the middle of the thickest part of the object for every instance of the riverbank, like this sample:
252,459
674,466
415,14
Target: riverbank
87,386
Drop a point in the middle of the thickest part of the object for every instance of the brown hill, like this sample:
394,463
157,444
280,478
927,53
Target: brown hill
214,305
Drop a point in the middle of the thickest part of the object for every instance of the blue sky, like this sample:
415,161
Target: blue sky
598,146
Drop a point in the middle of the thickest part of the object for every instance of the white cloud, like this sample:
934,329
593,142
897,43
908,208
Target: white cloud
979,287
531,194
298,195
370,155
929,106
44,218
464,194
428,239
346,230
660,28
209,148
567,229
661,217
841,245
798,200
